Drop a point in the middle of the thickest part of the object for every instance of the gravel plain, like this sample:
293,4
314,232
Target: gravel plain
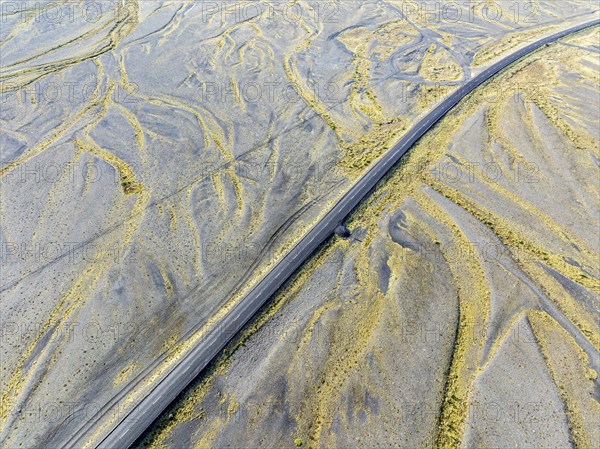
463,310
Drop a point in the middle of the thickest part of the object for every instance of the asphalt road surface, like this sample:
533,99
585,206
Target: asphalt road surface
133,423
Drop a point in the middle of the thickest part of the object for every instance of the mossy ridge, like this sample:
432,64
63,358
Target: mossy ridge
568,366
474,300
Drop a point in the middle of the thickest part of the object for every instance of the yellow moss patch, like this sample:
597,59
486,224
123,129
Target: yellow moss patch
568,365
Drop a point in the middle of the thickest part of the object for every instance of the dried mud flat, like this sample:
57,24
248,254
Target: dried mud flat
464,310
152,167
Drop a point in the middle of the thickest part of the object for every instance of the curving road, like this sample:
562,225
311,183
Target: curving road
132,424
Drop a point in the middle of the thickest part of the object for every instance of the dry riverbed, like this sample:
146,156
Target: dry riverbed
152,167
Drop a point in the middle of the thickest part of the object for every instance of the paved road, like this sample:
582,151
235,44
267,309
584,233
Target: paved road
133,424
